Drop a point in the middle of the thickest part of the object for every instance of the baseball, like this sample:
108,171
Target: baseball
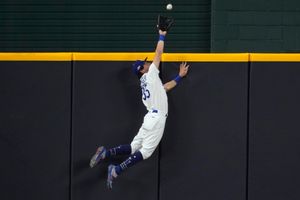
169,6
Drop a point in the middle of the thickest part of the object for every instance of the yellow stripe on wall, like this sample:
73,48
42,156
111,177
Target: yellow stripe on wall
274,57
35,56
206,57
123,56
112,56
167,57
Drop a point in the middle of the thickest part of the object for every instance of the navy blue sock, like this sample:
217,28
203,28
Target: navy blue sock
132,160
120,150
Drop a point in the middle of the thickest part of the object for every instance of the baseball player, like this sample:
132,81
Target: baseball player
155,99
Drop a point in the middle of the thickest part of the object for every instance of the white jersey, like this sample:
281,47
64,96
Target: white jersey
153,92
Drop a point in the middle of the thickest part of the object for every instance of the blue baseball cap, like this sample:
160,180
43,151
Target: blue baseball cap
138,66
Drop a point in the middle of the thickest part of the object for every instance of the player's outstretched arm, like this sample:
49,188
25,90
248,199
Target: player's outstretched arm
183,70
159,48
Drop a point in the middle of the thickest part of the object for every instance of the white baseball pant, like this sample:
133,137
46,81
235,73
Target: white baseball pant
149,134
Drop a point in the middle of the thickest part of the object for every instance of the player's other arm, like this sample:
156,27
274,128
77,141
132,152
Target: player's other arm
183,70
159,48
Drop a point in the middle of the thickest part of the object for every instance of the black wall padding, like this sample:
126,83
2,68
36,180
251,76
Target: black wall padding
53,114
35,130
203,151
108,111
274,131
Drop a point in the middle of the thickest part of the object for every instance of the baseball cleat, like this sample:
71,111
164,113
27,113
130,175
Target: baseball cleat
111,176
99,155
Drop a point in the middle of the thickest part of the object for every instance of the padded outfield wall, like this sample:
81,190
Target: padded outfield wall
231,131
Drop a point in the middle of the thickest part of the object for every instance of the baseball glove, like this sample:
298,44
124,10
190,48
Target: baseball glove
164,23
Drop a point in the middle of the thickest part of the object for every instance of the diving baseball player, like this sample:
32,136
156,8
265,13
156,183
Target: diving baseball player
155,100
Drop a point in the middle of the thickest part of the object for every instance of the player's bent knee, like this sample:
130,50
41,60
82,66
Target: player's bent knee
134,148
146,154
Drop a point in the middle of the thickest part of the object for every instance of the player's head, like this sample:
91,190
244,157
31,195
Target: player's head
140,67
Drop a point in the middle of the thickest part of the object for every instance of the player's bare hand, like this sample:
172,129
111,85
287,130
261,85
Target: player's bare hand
162,32
183,69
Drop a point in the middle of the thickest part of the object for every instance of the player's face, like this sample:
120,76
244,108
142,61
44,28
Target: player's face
146,67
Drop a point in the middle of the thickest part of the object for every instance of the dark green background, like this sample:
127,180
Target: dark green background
93,25
255,26
129,26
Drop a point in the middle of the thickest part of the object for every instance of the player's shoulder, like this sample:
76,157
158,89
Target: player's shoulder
153,67
152,64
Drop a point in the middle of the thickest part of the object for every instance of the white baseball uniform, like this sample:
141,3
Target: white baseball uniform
156,101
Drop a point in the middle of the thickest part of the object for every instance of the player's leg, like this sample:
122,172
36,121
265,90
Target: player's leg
115,171
145,152
137,141
127,149
102,153
136,156
124,149
150,141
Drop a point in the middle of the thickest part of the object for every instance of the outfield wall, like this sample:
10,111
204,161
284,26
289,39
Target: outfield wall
232,130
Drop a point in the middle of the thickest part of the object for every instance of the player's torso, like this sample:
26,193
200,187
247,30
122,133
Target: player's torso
153,93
